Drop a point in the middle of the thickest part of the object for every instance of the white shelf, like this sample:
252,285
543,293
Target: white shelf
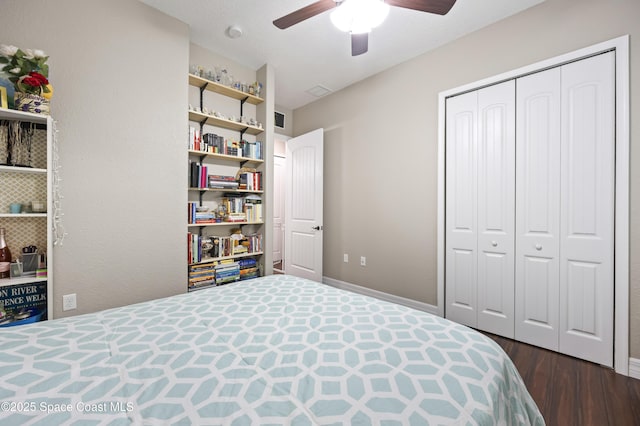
10,114
239,191
235,256
224,123
225,157
6,282
213,86
191,225
18,169
23,215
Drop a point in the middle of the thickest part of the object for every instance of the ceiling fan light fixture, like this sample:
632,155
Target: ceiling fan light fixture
359,16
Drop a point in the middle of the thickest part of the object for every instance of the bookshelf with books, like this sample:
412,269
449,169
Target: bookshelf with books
225,214
27,217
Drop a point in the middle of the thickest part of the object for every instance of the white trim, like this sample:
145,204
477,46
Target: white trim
421,306
621,296
634,368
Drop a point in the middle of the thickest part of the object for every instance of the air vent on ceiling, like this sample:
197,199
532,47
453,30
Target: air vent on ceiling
319,91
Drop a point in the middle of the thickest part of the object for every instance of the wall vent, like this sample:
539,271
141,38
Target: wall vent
279,120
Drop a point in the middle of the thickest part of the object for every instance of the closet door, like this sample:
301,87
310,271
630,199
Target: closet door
461,209
538,209
496,186
587,224
480,162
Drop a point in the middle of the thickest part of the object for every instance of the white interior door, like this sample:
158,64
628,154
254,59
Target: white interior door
538,208
496,198
279,173
587,205
304,205
461,235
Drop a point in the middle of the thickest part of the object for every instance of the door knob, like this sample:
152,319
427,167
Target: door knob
538,247
494,243
317,228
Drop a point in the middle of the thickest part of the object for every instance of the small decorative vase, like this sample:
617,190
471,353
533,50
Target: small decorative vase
30,102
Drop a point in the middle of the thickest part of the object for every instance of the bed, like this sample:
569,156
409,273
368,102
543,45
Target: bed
274,350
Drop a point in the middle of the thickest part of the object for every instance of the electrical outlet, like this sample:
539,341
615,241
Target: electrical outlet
69,302
346,258
363,261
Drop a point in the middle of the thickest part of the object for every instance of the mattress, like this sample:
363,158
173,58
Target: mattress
274,350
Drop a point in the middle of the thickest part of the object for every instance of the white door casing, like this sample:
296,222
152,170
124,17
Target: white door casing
279,184
496,192
304,205
538,208
587,206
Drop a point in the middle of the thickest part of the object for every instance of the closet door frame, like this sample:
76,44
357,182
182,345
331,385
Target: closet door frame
621,246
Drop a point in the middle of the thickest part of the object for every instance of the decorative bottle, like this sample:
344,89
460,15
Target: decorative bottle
5,256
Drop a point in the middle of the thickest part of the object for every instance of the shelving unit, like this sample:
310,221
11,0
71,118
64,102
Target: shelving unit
23,184
235,256
223,164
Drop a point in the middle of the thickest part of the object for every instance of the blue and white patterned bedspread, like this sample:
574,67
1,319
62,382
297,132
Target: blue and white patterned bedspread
275,350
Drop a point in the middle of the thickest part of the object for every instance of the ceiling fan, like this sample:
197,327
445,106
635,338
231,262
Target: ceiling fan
358,17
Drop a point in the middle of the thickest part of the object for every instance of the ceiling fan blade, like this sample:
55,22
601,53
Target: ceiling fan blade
305,13
440,7
359,44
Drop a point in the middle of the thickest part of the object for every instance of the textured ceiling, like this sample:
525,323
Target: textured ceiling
314,53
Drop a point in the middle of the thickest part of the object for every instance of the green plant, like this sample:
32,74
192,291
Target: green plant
27,69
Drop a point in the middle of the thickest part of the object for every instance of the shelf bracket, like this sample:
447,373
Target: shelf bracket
202,89
242,101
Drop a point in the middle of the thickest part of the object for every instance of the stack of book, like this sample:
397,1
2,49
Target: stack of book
194,248
222,247
236,217
216,144
253,208
195,142
213,143
197,175
233,203
250,181
248,268
200,217
255,243
216,247
227,272
251,149
201,276
222,182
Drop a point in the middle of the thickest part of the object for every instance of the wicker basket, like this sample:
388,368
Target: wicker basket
30,102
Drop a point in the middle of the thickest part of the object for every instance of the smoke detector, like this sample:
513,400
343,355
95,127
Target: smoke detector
234,31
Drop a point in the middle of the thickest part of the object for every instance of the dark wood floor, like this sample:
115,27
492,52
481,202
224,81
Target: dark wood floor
570,391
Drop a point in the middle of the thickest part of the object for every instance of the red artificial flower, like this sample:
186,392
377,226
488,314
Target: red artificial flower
34,82
42,80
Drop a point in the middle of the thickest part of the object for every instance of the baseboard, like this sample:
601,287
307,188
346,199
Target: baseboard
634,368
421,306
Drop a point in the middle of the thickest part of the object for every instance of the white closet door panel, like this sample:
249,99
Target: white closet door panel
461,209
587,224
496,188
537,208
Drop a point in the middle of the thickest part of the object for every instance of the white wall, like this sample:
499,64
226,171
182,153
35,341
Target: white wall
119,72
381,144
